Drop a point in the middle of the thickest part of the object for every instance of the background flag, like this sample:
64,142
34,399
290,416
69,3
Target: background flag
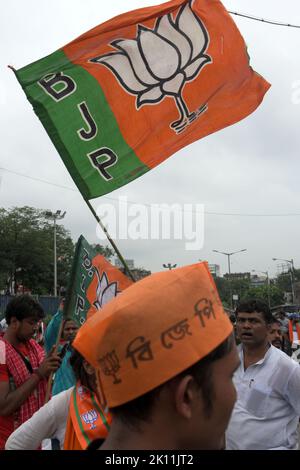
94,282
123,97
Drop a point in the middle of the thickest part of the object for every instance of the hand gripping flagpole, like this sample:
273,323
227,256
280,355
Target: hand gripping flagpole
127,270
54,351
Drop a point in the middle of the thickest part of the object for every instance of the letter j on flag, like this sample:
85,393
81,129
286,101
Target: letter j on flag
126,95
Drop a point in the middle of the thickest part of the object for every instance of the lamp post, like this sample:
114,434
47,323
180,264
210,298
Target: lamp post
229,272
291,263
55,216
268,283
169,266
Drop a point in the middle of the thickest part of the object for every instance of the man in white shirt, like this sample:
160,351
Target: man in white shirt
267,410
281,316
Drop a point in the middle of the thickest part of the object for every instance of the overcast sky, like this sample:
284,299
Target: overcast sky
249,168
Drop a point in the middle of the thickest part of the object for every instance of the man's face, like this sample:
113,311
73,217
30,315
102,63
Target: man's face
211,425
275,335
70,330
252,329
26,329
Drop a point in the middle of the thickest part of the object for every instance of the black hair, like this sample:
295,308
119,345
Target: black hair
65,321
23,306
276,321
76,362
135,411
254,305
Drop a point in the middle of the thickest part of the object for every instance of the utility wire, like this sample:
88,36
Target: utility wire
263,20
226,214
37,179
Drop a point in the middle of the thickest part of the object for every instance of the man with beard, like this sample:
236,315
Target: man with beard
267,411
23,366
275,334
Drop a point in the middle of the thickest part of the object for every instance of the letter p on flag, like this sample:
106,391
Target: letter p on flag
123,97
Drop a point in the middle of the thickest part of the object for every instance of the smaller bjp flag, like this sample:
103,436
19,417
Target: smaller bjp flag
94,282
123,97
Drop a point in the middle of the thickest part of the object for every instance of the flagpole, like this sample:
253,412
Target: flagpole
54,351
110,240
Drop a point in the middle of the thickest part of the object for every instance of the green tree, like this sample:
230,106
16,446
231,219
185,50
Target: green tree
244,290
262,292
239,287
283,282
105,251
26,250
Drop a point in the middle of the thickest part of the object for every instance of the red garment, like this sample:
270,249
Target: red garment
14,369
294,327
4,373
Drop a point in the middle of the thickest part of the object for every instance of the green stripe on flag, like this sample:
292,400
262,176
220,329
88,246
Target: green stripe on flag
64,118
97,407
79,419
77,304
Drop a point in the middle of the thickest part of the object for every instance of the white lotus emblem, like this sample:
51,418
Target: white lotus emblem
159,62
105,291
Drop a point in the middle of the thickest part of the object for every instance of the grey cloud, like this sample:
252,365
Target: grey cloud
251,167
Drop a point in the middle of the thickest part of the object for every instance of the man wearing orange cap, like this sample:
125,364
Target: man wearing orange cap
165,357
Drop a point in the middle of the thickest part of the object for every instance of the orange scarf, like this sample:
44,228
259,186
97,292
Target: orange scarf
86,420
291,334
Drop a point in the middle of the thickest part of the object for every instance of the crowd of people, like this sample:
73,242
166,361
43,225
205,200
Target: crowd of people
163,355
27,420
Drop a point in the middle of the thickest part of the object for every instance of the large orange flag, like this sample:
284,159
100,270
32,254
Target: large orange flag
123,97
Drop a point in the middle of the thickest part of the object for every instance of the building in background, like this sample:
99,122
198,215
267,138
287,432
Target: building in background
138,273
257,281
214,270
238,276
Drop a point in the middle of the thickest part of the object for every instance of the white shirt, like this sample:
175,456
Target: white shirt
284,324
267,409
296,356
48,422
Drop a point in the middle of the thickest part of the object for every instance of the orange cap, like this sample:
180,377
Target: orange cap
155,329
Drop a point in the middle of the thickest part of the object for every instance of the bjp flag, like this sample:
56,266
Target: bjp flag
94,282
126,95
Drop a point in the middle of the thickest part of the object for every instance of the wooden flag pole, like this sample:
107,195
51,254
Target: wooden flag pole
127,270
49,384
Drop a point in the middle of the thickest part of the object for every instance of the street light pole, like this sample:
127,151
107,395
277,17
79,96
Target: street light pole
169,266
55,261
268,284
229,271
291,263
55,216
230,283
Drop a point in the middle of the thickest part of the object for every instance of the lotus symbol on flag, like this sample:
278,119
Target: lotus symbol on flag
90,417
160,61
105,291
